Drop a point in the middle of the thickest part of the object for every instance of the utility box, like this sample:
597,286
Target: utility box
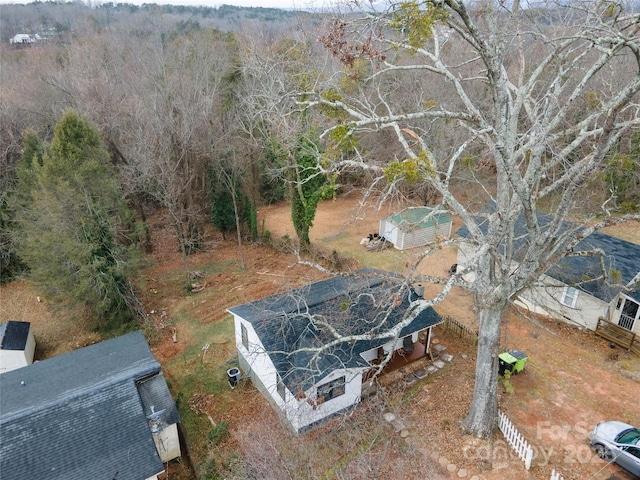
512,361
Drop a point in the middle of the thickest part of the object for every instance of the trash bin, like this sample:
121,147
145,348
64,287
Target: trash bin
512,361
234,377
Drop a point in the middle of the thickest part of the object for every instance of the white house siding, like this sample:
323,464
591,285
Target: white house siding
389,230
545,297
167,443
255,362
305,412
300,413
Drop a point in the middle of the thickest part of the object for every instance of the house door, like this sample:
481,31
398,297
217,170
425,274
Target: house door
628,314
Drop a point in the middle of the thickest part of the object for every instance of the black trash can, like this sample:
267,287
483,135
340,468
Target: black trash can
234,377
504,366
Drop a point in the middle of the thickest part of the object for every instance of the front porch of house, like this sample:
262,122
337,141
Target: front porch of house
416,357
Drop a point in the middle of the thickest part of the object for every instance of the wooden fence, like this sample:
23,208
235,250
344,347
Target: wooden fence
556,475
460,330
515,439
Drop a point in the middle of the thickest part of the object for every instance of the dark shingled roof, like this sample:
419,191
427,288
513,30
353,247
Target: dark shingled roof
80,415
619,255
353,305
14,335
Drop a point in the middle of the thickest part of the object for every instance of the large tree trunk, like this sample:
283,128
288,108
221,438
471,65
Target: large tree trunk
483,415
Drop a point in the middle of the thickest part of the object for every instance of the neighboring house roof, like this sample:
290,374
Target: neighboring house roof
619,256
419,217
84,414
14,335
352,305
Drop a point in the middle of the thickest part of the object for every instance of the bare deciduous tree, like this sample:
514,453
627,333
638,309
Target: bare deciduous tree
531,102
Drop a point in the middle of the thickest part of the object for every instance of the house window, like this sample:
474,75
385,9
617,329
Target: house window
331,389
569,297
281,389
245,336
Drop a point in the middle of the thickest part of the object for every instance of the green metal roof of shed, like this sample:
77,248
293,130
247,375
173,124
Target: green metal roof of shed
420,217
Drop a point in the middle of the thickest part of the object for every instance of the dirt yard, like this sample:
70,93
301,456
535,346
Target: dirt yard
572,380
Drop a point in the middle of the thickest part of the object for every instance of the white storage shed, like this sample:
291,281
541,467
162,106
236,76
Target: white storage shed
17,345
415,227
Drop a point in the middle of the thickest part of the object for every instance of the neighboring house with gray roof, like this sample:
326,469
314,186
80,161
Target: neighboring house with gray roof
278,338
17,345
575,290
102,411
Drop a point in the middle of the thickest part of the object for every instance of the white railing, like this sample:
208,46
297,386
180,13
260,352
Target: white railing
556,475
625,321
515,439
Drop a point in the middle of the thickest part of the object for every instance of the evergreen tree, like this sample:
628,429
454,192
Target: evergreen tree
10,264
73,224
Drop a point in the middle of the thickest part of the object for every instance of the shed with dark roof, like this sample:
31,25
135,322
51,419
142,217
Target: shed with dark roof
97,412
17,345
307,349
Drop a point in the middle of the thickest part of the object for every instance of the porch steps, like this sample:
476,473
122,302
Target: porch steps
618,335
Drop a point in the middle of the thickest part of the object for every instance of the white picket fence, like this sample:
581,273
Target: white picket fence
556,475
516,440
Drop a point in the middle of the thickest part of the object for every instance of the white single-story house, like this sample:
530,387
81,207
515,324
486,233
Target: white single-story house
574,290
415,227
17,345
102,411
278,340
22,38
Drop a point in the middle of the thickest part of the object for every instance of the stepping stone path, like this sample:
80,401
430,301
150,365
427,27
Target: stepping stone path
439,347
399,426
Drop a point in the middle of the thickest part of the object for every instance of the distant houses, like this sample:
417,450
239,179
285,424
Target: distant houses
23,39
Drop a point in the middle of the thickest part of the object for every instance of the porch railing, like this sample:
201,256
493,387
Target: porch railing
618,335
625,321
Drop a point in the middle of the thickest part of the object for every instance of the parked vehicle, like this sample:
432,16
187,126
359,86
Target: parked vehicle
618,442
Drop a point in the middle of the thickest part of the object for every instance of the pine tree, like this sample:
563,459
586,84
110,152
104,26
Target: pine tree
73,225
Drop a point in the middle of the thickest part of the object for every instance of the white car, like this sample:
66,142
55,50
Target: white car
618,442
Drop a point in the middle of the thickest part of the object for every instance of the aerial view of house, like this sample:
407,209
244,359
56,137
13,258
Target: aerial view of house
286,345
103,411
600,280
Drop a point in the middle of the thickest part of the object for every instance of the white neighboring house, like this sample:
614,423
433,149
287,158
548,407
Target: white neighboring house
415,227
574,291
22,39
271,335
17,345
